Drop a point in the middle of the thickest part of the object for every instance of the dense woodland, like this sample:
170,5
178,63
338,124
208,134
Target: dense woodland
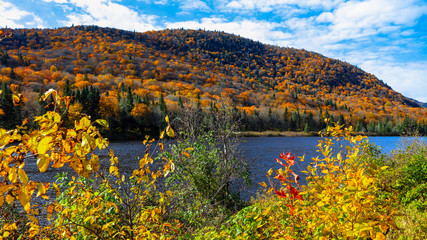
134,79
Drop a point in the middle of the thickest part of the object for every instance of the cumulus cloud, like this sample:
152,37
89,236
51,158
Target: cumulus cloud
354,19
56,1
189,5
12,16
273,5
260,30
410,79
106,13
159,2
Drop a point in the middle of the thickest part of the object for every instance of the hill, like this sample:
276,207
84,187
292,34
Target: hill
133,79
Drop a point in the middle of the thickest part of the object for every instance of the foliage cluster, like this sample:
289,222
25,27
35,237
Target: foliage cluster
352,191
101,204
340,200
406,176
141,76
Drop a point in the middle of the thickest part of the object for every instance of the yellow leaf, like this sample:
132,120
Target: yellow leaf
189,149
23,176
167,118
186,154
24,199
46,94
379,236
13,177
94,161
270,172
57,190
41,189
114,170
16,100
161,147
263,184
169,131
10,199
83,123
102,122
43,163
44,145
1,200
33,219
383,228
383,168
162,135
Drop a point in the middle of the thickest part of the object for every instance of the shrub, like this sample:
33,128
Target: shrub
113,208
202,181
339,201
406,176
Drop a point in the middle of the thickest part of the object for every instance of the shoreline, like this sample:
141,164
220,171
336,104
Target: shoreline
303,134
276,134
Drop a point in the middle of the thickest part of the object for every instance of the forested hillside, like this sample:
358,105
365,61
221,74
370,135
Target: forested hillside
134,79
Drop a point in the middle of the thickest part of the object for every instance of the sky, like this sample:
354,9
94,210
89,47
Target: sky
387,38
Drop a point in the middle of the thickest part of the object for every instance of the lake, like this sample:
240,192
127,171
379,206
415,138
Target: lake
259,152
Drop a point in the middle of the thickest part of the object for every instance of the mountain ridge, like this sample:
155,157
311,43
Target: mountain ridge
201,66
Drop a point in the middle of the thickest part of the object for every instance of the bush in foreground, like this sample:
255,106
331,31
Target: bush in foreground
340,200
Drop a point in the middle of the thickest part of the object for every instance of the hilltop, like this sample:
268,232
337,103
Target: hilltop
135,78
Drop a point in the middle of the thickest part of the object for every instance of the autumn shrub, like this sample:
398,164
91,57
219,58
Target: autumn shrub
340,199
100,204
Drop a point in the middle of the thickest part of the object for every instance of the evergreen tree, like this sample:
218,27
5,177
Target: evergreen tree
341,120
162,104
67,88
11,116
307,127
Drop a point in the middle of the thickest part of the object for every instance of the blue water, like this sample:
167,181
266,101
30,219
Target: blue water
259,153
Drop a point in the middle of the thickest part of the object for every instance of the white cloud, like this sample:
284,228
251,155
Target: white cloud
13,17
189,5
106,13
56,1
410,79
273,5
260,30
159,2
358,19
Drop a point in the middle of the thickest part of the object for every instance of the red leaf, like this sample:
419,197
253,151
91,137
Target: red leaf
280,193
287,157
281,178
294,192
277,160
290,208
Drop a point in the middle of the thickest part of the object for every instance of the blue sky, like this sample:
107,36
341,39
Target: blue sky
387,38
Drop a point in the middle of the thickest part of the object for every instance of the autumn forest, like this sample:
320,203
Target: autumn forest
133,80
